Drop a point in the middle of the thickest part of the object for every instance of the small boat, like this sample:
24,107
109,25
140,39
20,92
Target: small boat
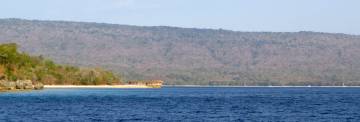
343,85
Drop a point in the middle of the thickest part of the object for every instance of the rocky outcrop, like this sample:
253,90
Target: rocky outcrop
20,85
24,84
7,85
38,86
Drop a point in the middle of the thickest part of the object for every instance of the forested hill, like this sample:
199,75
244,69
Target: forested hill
16,66
194,56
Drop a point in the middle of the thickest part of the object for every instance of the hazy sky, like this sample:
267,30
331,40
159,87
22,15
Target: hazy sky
340,16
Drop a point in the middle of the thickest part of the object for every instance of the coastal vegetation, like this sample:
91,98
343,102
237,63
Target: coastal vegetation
15,66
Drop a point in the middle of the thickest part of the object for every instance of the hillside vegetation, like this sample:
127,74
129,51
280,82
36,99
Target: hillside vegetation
20,66
193,56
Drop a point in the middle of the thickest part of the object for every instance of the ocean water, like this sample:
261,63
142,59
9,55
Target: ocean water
183,104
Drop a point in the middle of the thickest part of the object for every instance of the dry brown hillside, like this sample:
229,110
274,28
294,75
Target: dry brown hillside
194,56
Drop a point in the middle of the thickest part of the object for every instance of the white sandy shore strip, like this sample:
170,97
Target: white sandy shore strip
94,86
143,86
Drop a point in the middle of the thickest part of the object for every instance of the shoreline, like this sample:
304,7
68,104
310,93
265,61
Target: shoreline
190,86
95,86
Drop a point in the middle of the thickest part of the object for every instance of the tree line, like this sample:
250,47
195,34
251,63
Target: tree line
15,65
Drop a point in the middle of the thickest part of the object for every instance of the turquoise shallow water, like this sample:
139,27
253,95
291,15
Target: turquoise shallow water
183,104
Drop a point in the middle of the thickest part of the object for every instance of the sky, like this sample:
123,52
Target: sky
334,16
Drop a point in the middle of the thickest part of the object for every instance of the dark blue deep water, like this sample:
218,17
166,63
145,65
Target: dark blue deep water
183,104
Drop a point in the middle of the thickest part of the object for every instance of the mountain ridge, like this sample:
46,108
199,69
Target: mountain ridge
166,26
193,56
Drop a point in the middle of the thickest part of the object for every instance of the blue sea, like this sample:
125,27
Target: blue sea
217,104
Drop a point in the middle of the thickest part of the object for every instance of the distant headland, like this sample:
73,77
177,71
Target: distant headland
20,71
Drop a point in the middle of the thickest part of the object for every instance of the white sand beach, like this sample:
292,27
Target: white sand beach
95,86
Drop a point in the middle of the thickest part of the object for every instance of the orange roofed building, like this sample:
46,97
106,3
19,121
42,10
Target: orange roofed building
150,83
